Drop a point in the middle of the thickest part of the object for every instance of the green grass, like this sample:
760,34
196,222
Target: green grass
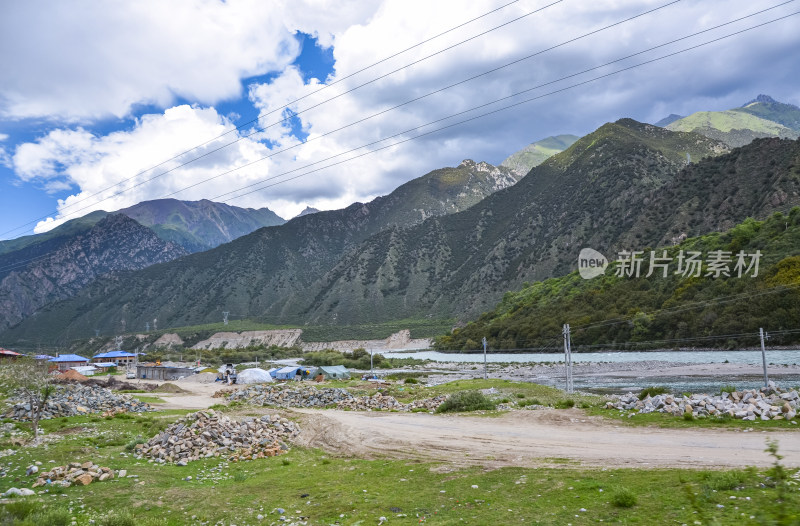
672,421
149,399
348,490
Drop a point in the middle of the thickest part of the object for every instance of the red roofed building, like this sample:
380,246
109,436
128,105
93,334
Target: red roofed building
5,354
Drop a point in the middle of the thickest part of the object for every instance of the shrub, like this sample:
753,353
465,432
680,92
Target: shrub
565,404
727,389
466,401
725,480
653,391
623,498
410,381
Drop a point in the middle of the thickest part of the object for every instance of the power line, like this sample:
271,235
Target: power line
472,118
326,86
459,113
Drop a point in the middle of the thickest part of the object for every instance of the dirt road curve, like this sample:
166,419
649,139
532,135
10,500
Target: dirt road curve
536,438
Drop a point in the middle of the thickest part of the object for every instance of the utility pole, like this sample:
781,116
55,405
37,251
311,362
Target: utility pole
764,354
155,324
225,317
485,373
568,357
371,368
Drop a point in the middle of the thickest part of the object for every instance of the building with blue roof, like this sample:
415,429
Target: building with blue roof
67,361
118,357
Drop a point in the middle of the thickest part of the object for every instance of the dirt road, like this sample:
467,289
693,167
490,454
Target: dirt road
536,438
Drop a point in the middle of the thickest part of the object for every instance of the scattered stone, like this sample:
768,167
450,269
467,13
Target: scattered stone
74,473
76,399
767,403
24,492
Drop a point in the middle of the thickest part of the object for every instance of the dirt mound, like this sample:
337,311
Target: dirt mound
71,375
168,388
201,378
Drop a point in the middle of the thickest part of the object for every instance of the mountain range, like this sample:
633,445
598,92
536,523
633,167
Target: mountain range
453,242
194,225
267,269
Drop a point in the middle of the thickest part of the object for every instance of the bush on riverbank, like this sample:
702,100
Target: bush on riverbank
466,401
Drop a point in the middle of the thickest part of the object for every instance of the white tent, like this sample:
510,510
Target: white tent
254,376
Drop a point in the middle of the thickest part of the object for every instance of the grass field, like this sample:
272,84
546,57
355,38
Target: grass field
315,488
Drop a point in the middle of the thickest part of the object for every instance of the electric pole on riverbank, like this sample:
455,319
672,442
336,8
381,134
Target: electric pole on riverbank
764,336
485,373
568,357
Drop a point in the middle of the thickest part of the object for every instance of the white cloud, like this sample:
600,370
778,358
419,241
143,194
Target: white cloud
718,76
95,59
93,164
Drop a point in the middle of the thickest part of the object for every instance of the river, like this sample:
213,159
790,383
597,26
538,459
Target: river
746,357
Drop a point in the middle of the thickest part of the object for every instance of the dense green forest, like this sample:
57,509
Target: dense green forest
675,311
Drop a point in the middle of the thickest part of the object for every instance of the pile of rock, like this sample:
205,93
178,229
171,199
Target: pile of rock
77,399
74,473
767,403
284,397
206,434
380,402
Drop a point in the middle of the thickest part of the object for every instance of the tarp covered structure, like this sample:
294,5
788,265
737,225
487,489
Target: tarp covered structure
332,372
287,373
254,376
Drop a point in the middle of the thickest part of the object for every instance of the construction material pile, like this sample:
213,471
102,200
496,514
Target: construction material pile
206,434
74,473
283,397
380,402
71,375
77,399
767,403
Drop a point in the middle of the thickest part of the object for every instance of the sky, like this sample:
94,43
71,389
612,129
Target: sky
288,104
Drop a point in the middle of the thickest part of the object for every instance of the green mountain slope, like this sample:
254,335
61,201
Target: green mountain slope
762,117
55,236
768,108
200,225
588,195
538,152
669,119
264,272
655,312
